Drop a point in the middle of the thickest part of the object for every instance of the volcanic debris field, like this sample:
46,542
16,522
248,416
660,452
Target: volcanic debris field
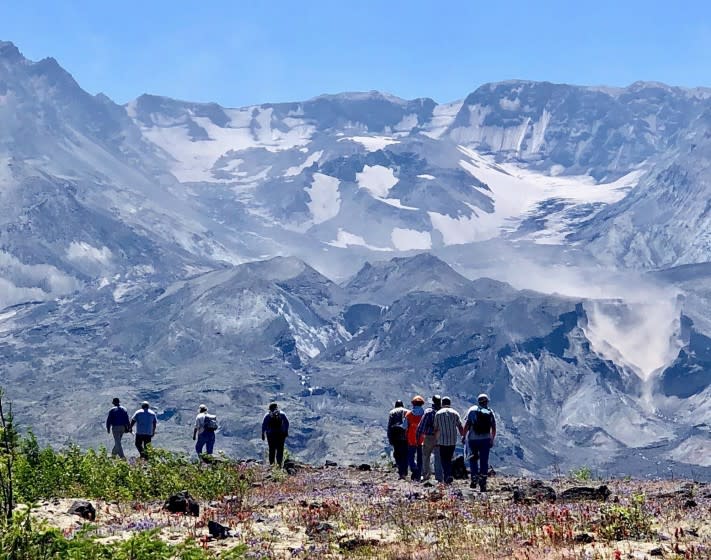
363,511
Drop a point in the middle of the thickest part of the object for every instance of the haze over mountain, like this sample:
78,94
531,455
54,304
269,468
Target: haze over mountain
187,252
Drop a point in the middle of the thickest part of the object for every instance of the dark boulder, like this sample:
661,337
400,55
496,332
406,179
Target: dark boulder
364,467
217,531
182,502
585,493
534,492
291,467
584,538
354,543
83,509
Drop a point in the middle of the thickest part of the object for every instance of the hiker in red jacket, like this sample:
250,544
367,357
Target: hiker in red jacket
414,443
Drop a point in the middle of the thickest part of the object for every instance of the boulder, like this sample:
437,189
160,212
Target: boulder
534,492
83,509
351,543
182,502
584,538
585,493
217,531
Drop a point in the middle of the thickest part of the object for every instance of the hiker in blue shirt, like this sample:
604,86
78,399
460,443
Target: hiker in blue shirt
275,427
204,430
480,428
145,421
117,424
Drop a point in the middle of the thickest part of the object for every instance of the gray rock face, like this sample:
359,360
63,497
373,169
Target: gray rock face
280,330
666,220
159,251
603,132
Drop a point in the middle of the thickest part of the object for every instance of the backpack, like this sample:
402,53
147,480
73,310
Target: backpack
275,424
210,423
482,420
396,428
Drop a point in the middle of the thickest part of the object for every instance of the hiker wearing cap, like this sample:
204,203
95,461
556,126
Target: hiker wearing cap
275,427
145,421
204,430
480,428
397,437
448,429
117,424
425,429
414,442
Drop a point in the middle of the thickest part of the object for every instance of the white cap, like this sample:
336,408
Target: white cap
483,396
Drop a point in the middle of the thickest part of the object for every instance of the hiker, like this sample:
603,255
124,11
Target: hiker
447,425
414,442
204,430
480,427
145,421
429,447
117,423
275,427
397,436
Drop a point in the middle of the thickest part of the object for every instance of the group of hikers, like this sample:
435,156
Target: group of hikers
419,434
275,429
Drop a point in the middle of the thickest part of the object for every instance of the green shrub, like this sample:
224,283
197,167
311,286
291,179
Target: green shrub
630,521
581,474
71,472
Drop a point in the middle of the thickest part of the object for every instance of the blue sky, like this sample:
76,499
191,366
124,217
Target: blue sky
241,52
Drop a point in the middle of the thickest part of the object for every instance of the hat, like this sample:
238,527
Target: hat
145,404
436,399
203,408
273,406
399,403
483,397
446,401
116,401
417,399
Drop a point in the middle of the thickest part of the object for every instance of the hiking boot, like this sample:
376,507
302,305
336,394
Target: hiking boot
472,484
482,484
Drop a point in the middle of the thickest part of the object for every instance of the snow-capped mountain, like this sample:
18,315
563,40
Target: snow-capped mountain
184,252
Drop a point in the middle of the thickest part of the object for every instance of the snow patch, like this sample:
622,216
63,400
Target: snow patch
411,239
517,193
396,203
313,158
377,179
426,176
325,199
193,160
82,251
345,239
372,143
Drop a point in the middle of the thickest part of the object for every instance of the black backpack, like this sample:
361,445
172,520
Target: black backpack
275,424
210,423
396,428
483,420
